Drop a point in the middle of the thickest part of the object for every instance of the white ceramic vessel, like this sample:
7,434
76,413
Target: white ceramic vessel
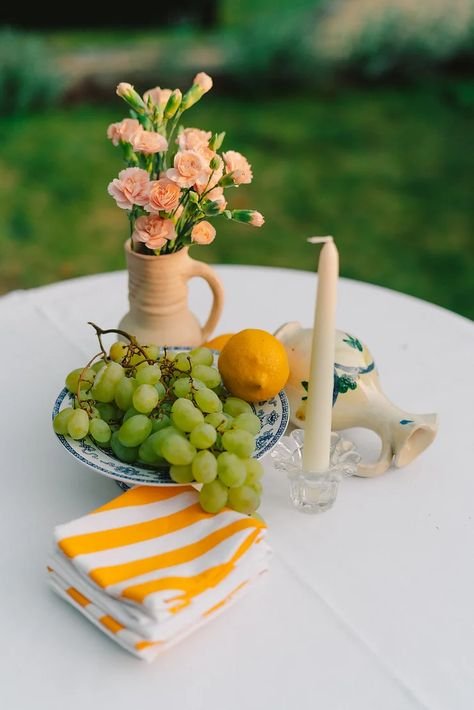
358,400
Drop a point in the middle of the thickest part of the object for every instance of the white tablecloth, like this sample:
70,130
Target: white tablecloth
368,606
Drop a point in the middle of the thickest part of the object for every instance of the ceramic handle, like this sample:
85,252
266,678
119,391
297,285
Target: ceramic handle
199,268
367,470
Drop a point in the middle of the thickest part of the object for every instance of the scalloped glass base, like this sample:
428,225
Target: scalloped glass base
312,492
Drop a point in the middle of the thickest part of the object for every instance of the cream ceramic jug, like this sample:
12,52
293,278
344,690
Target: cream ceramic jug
158,296
358,400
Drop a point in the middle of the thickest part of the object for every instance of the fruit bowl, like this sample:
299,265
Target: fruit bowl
273,415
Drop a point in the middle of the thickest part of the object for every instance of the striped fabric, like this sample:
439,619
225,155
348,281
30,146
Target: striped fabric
151,566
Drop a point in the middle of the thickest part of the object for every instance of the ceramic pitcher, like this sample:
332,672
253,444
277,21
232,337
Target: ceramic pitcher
358,400
158,296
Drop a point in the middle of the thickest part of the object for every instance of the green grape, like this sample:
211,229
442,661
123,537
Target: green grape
134,431
204,467
78,424
98,365
124,393
147,453
207,401
185,415
181,474
182,362
201,356
256,485
176,449
152,351
213,496
148,374
231,470
103,389
235,406
160,422
161,389
118,351
83,397
219,420
203,436
108,412
61,419
240,442
184,385
131,412
247,421
100,431
244,499
156,439
209,375
127,454
254,470
87,379
145,398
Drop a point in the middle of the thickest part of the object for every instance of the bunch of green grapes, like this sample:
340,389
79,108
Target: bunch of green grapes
169,409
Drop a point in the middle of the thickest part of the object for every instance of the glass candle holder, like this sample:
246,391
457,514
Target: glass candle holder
310,491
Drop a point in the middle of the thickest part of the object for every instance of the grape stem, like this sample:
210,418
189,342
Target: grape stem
133,341
86,404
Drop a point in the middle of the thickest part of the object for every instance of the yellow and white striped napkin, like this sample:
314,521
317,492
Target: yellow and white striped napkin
151,566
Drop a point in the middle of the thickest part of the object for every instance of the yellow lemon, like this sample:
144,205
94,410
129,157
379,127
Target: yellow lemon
218,342
254,365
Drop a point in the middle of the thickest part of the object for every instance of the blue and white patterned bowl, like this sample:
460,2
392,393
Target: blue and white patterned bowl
273,415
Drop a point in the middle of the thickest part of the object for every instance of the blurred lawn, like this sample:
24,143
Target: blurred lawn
385,171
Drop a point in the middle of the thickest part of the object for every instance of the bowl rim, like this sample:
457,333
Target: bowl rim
161,476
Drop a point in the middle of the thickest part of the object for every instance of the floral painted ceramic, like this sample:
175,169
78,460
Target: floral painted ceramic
358,400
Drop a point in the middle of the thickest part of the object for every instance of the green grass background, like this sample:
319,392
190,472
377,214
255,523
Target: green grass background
384,170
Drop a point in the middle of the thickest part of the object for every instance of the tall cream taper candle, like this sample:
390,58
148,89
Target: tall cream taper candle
317,437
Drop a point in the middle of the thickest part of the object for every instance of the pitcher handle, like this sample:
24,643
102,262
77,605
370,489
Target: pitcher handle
367,470
201,269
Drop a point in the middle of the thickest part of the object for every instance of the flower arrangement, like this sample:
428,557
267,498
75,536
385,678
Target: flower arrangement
175,177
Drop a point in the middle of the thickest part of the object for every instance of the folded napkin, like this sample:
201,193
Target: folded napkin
151,566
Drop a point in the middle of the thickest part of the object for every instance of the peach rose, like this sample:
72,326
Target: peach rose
193,139
164,195
204,82
158,96
203,233
130,188
153,231
256,219
122,131
210,180
148,142
238,165
189,168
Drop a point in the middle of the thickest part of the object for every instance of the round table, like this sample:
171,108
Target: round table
370,605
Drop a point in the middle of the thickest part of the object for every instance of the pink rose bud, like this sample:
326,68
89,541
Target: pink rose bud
128,93
204,82
256,219
217,141
248,217
173,103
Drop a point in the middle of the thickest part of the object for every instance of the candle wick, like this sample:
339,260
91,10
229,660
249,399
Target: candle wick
319,240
